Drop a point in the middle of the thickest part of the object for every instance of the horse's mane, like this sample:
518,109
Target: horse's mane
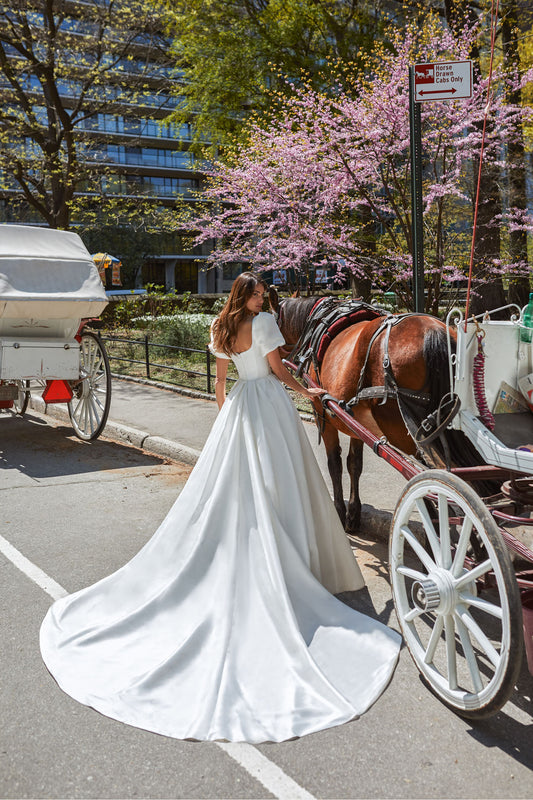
295,312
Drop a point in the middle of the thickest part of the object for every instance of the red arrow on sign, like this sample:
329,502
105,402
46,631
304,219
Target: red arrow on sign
439,91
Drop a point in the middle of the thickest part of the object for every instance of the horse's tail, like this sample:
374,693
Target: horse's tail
435,351
461,451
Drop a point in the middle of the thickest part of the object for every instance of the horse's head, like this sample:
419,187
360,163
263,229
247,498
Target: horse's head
273,300
291,314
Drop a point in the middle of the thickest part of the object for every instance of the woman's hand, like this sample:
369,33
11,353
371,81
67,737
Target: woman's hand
280,370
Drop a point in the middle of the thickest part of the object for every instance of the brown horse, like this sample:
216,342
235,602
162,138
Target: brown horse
418,352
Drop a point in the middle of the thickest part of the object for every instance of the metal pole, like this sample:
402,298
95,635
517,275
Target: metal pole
147,357
417,230
208,363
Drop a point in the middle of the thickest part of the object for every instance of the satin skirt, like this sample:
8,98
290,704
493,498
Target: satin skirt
224,626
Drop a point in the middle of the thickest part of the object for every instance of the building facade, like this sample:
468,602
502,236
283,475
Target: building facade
130,153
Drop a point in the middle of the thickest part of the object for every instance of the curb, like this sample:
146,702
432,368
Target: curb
123,433
376,522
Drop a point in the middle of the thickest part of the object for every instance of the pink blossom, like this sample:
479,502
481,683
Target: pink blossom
327,182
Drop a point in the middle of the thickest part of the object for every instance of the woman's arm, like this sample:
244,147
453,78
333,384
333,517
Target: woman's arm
280,371
220,380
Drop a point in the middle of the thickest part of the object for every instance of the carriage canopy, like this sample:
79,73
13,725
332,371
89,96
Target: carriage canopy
47,274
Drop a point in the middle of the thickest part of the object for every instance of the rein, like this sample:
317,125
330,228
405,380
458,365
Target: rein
321,317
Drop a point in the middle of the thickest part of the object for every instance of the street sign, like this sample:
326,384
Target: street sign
445,80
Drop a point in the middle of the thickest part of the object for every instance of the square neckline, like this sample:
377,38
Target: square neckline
252,343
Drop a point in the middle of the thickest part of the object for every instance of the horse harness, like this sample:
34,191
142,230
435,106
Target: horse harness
327,319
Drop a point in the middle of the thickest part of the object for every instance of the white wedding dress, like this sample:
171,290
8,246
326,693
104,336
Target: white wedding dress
223,625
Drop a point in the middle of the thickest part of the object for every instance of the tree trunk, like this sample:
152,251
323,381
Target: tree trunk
519,284
361,285
488,289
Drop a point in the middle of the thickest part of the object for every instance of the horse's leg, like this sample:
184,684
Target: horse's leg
354,462
333,449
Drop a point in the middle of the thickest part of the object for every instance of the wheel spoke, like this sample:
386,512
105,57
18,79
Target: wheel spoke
96,368
85,415
95,400
462,546
434,640
451,653
97,380
484,605
76,408
422,554
413,614
444,531
429,529
91,350
470,656
411,573
473,574
85,354
482,640
95,408
90,416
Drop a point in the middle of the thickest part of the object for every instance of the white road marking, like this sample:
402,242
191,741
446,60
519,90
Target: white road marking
265,771
31,571
246,755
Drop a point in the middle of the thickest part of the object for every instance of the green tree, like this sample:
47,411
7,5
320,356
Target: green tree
514,18
234,55
62,64
132,231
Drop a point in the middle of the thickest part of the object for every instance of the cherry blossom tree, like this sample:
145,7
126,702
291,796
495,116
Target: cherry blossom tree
326,183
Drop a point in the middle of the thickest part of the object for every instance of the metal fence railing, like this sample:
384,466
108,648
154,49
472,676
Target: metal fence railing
139,354
142,351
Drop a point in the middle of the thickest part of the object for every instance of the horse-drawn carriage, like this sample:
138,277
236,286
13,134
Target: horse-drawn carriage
413,388
49,290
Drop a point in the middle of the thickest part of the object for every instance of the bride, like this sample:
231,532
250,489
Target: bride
224,625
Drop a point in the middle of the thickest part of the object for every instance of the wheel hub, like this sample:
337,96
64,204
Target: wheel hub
85,386
435,593
425,595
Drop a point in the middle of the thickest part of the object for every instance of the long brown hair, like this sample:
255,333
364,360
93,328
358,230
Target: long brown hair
234,312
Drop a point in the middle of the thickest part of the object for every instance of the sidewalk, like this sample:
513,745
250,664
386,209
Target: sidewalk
175,425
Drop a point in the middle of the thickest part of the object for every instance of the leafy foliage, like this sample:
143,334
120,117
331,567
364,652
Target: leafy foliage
61,65
179,330
325,182
233,53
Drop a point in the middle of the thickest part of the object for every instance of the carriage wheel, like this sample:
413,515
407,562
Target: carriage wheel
20,403
456,594
89,407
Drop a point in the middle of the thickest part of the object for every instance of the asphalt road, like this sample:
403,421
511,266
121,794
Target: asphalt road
73,512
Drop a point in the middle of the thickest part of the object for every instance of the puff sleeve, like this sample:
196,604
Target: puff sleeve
267,333
212,346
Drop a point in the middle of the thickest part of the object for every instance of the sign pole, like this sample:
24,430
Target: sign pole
417,230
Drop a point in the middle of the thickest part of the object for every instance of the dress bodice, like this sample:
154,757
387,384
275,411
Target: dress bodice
266,337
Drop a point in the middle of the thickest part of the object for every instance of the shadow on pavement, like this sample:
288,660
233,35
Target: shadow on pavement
510,735
42,449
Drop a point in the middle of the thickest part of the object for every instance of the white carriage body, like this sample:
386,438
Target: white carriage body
507,359
48,284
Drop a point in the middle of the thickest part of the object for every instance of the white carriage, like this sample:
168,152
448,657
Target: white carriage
49,290
459,557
